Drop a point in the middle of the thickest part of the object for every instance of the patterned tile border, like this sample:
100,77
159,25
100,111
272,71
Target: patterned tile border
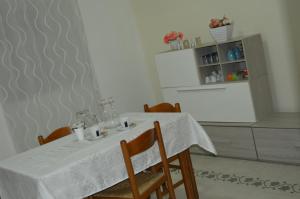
248,181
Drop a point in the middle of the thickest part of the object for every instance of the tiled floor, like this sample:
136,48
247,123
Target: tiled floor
225,178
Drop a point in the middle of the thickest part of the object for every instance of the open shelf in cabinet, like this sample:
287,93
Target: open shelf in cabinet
232,51
207,56
222,63
211,74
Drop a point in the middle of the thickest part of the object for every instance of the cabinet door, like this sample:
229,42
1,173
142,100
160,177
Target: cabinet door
281,145
177,68
220,103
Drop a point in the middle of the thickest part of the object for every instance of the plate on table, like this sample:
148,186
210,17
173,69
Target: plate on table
131,126
91,137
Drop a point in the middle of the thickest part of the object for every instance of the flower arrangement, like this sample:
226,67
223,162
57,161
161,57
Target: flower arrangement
215,23
171,36
221,29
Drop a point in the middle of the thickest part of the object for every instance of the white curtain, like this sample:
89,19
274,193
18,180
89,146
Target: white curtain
45,70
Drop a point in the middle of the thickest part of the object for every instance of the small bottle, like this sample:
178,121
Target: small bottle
193,43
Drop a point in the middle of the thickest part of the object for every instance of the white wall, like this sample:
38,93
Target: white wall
116,53
293,15
6,146
276,20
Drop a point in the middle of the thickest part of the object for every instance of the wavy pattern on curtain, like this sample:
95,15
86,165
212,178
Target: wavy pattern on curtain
45,70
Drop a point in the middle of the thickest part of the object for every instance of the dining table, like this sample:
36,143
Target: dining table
68,168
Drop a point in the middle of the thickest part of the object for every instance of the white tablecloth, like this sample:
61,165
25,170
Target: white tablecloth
67,168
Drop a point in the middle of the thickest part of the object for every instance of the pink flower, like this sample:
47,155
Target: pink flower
180,35
166,39
172,36
214,23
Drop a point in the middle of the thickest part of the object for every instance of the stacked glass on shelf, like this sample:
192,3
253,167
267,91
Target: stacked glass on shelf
211,58
214,76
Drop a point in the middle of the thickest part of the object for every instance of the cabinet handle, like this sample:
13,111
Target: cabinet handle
200,89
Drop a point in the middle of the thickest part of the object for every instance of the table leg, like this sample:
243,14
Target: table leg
196,193
188,175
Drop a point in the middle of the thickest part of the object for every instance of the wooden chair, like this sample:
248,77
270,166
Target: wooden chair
167,107
140,186
163,107
58,133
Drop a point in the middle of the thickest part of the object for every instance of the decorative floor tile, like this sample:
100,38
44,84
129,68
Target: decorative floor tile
260,183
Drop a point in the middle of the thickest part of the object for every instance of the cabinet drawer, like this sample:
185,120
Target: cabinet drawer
232,141
281,145
222,103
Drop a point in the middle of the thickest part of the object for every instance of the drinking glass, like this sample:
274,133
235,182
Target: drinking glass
86,118
110,116
115,121
81,117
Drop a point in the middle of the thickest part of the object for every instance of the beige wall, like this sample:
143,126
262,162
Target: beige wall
271,18
292,10
116,52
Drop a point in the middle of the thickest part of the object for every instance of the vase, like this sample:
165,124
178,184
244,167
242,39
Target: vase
221,34
174,44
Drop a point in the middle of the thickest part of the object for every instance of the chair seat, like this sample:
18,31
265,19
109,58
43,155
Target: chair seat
122,190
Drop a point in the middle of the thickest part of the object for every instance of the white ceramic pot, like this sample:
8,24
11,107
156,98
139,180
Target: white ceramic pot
221,34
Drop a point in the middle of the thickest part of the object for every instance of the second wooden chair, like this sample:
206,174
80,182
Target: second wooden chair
164,108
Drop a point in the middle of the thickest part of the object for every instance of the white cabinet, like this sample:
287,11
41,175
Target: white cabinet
231,95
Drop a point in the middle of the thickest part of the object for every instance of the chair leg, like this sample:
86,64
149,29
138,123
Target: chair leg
158,194
165,189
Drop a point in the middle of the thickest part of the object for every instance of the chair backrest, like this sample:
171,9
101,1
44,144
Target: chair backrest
58,133
139,145
163,107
